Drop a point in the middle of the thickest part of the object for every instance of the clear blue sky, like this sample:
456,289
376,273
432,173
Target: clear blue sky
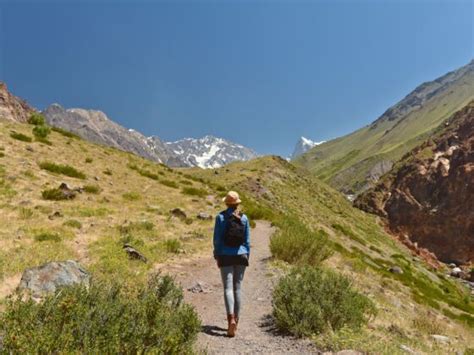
258,73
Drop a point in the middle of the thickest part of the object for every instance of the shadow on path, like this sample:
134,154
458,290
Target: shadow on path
214,330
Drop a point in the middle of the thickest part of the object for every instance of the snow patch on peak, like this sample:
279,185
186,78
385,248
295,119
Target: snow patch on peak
303,145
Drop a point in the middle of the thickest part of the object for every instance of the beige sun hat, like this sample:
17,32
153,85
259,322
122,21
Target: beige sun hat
232,198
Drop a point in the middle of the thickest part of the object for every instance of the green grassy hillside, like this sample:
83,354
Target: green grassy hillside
346,162
128,199
277,190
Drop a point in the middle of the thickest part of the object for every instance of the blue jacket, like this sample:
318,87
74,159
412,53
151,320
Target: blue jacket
219,229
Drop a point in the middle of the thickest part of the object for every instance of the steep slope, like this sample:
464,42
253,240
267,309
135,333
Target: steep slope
354,162
210,152
428,197
13,108
96,127
303,145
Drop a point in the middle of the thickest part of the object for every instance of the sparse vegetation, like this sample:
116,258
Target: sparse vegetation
88,160
62,169
193,191
73,223
93,320
47,236
311,301
169,183
92,189
65,133
21,137
25,213
132,196
172,246
107,172
41,131
55,194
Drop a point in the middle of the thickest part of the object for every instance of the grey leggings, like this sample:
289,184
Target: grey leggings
232,277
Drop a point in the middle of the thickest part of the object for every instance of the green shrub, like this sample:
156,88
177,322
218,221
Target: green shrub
43,140
37,119
193,191
311,301
92,189
55,194
62,169
144,172
88,160
25,213
297,244
172,245
106,318
169,183
73,223
64,133
47,236
131,196
21,137
41,131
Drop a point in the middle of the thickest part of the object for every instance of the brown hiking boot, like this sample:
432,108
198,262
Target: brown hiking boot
232,325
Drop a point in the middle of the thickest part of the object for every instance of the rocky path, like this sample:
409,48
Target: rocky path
256,333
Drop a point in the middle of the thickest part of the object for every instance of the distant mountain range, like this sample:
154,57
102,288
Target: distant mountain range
95,126
303,145
355,162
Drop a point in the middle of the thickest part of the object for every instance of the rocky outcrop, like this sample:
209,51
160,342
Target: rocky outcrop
13,108
428,198
42,280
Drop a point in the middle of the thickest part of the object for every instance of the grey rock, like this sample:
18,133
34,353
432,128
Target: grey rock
395,269
452,265
407,349
204,216
178,213
440,338
49,277
134,253
456,272
200,287
55,215
29,148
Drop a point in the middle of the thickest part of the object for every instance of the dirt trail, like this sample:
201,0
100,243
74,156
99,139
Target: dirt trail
256,333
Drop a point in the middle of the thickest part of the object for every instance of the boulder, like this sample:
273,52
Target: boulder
440,338
204,216
178,213
134,253
200,287
48,277
395,269
456,272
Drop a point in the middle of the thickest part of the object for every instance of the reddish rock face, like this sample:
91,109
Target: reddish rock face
13,108
429,196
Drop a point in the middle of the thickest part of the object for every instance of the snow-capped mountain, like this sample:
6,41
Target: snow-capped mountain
303,145
95,126
210,151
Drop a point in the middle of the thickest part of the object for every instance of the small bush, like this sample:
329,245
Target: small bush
107,172
2,154
21,137
41,131
47,236
310,301
131,196
106,318
62,169
37,119
92,189
73,223
88,160
169,183
55,195
428,324
193,191
186,182
43,140
297,244
25,213
64,133
144,172
172,246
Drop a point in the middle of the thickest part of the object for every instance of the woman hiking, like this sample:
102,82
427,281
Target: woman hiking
231,251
